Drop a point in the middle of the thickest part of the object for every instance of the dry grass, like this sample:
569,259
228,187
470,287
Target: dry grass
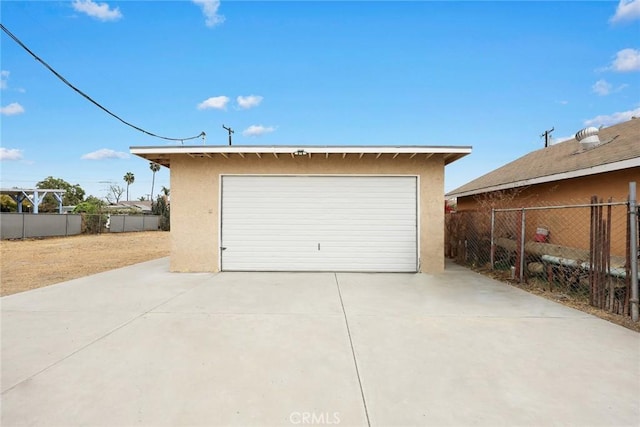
34,263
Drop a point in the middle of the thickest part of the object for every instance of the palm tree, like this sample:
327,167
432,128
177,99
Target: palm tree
165,194
154,168
129,178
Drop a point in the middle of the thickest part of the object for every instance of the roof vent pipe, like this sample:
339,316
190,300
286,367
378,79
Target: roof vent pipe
588,137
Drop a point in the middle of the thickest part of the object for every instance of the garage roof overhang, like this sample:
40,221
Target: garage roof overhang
162,154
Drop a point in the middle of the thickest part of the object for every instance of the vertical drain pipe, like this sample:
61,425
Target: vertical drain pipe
633,243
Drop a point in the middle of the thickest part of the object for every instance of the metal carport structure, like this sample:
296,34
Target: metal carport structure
34,195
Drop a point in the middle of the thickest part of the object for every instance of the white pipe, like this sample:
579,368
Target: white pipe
568,262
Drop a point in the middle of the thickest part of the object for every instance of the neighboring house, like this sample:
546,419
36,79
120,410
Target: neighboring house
599,162
309,208
134,207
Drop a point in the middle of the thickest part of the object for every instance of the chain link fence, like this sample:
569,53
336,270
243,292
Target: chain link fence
581,251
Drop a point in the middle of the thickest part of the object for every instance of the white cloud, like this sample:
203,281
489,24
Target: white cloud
250,101
4,82
4,76
105,153
10,154
627,10
563,102
257,130
608,120
626,60
216,102
12,109
210,12
100,11
601,87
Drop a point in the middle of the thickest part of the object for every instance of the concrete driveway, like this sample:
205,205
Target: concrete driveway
142,346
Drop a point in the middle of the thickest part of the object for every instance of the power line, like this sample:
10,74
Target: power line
65,81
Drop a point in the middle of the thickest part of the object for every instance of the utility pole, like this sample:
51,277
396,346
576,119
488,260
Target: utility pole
547,136
228,129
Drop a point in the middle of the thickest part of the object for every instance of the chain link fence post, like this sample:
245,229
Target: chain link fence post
520,241
523,228
633,247
492,255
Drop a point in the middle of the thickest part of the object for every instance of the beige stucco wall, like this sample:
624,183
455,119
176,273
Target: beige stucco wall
195,186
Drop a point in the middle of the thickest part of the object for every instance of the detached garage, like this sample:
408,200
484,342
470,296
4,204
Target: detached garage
250,208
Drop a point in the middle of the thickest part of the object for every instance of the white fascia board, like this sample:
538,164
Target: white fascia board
609,167
212,149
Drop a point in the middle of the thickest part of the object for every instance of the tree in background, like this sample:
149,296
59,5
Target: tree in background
7,204
94,201
93,220
115,193
154,168
73,196
165,194
161,208
129,178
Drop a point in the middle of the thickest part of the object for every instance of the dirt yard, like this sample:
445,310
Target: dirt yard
34,263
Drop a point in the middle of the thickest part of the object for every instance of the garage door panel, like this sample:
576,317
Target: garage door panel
242,220
317,218
339,205
351,237
297,243
275,223
321,229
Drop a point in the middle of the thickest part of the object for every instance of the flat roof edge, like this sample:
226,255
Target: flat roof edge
313,149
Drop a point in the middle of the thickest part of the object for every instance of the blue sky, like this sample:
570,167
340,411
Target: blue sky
493,75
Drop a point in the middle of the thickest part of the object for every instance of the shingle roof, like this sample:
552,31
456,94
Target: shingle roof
619,149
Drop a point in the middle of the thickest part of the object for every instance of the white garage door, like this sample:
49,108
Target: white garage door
319,223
